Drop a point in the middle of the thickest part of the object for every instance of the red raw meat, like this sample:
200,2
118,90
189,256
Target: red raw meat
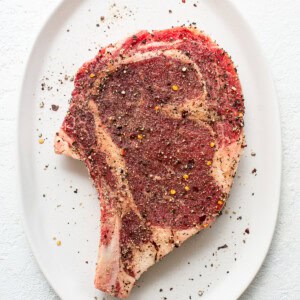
158,121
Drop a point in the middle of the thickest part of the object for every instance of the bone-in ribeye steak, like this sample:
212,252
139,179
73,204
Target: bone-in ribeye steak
158,121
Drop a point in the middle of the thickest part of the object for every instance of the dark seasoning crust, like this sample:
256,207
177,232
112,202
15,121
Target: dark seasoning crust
137,232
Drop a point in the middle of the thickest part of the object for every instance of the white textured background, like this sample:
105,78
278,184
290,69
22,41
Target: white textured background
276,24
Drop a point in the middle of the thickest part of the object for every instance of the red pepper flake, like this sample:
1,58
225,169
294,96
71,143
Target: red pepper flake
187,188
123,152
175,87
172,192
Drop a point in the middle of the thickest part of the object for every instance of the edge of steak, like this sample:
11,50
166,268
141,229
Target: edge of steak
158,121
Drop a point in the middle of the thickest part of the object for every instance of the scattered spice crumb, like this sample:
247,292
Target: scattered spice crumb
76,191
54,107
41,141
254,171
253,153
170,11
247,231
160,290
58,243
223,247
200,293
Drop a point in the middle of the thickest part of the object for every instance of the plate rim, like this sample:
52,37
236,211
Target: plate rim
278,141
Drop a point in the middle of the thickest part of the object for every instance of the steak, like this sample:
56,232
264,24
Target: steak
158,121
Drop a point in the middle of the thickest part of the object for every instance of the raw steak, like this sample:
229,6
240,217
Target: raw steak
158,121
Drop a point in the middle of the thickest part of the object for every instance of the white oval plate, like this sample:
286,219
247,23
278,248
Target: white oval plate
53,209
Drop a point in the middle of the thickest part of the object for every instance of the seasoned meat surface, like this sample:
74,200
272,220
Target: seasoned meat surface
158,121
